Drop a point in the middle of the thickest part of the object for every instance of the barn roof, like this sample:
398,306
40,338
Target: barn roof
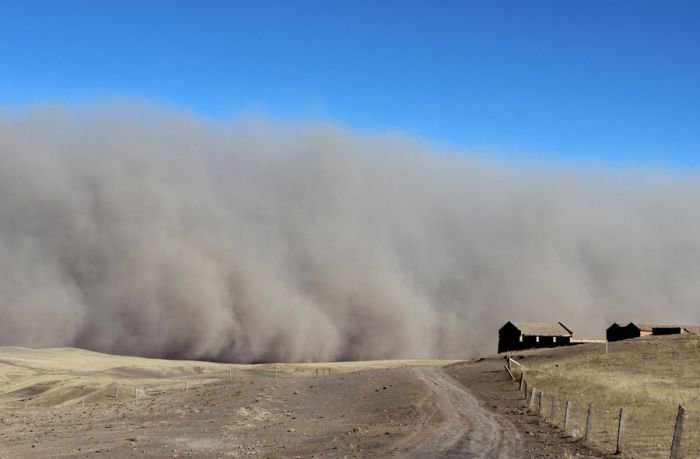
543,328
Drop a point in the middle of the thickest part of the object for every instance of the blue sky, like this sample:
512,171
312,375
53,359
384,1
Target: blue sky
611,81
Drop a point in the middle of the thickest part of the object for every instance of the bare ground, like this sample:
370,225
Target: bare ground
488,380
467,430
50,407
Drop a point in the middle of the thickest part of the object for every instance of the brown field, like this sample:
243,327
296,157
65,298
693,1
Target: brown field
59,377
76,403
65,403
648,376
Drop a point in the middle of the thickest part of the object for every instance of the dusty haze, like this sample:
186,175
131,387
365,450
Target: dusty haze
143,231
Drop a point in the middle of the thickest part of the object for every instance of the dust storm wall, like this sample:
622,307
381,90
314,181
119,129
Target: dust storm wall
155,233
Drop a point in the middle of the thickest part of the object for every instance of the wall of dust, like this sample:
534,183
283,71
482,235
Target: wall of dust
144,231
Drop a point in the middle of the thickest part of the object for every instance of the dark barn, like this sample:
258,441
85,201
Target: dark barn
617,332
668,330
515,336
675,329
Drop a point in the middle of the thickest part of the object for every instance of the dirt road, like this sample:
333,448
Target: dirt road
466,429
73,403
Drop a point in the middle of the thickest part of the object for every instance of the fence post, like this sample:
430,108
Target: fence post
567,414
676,452
525,388
533,393
589,423
540,396
553,413
621,431
522,380
510,373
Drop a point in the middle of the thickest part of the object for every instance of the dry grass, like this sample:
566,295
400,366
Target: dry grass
647,376
68,376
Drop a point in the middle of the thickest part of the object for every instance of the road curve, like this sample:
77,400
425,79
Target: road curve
463,429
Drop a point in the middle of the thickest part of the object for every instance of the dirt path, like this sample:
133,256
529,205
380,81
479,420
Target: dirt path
56,408
487,380
466,429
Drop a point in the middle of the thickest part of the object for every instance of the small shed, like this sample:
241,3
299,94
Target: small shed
514,336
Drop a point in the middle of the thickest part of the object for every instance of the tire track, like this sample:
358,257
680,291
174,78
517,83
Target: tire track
467,429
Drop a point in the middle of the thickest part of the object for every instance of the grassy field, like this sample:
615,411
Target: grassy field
648,376
69,376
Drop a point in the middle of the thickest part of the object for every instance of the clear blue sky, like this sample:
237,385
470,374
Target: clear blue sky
617,81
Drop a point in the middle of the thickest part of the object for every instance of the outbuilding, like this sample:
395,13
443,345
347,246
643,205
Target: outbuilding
515,336
617,332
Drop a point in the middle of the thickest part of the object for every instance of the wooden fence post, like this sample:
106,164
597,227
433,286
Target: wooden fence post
525,388
621,431
676,452
589,423
540,396
533,393
567,414
522,380
510,373
553,412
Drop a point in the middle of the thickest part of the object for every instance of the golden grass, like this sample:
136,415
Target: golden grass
647,376
66,376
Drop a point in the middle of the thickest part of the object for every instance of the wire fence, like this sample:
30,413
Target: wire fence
646,429
125,390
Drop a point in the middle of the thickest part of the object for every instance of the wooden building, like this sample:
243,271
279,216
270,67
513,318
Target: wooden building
514,336
617,332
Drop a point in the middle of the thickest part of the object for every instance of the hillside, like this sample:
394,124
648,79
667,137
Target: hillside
648,376
75,403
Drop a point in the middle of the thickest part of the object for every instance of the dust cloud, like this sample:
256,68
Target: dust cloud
145,231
